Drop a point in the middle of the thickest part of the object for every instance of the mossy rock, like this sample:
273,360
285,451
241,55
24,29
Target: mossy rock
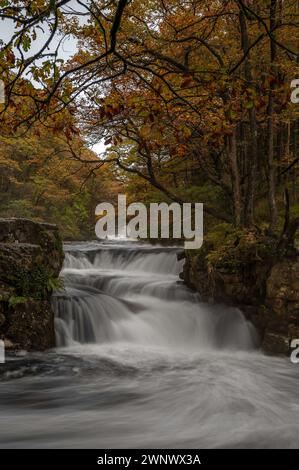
31,257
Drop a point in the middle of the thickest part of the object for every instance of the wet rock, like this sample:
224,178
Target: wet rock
9,345
275,342
283,287
31,258
267,294
31,325
2,319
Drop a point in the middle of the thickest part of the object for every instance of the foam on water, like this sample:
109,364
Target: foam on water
132,294
142,363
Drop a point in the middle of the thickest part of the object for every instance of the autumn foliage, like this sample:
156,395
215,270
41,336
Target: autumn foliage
191,99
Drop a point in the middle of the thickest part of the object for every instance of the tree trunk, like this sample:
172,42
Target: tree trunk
271,168
252,157
237,197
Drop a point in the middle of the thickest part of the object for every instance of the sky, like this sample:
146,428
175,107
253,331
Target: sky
67,49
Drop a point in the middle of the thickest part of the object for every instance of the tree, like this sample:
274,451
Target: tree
192,97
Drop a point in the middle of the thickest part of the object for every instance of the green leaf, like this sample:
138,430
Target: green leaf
249,105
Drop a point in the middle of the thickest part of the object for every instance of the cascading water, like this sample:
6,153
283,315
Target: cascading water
142,363
132,294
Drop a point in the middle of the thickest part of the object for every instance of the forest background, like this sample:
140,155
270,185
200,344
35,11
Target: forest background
188,99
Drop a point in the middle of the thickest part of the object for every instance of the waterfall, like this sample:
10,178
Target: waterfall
121,292
142,363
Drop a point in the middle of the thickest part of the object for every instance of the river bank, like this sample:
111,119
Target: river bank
31,257
244,269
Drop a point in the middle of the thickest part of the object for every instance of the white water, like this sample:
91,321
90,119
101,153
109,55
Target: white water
141,362
132,294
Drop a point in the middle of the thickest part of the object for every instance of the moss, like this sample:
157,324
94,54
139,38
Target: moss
16,300
58,244
37,284
227,249
55,283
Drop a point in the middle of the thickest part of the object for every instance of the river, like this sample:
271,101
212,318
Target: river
141,362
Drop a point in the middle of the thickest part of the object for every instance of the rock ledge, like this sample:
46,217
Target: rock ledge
31,257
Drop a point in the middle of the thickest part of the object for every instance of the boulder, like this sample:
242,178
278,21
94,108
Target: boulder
265,290
31,257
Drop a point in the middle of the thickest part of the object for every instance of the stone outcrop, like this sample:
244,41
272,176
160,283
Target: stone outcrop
265,290
31,258
282,301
